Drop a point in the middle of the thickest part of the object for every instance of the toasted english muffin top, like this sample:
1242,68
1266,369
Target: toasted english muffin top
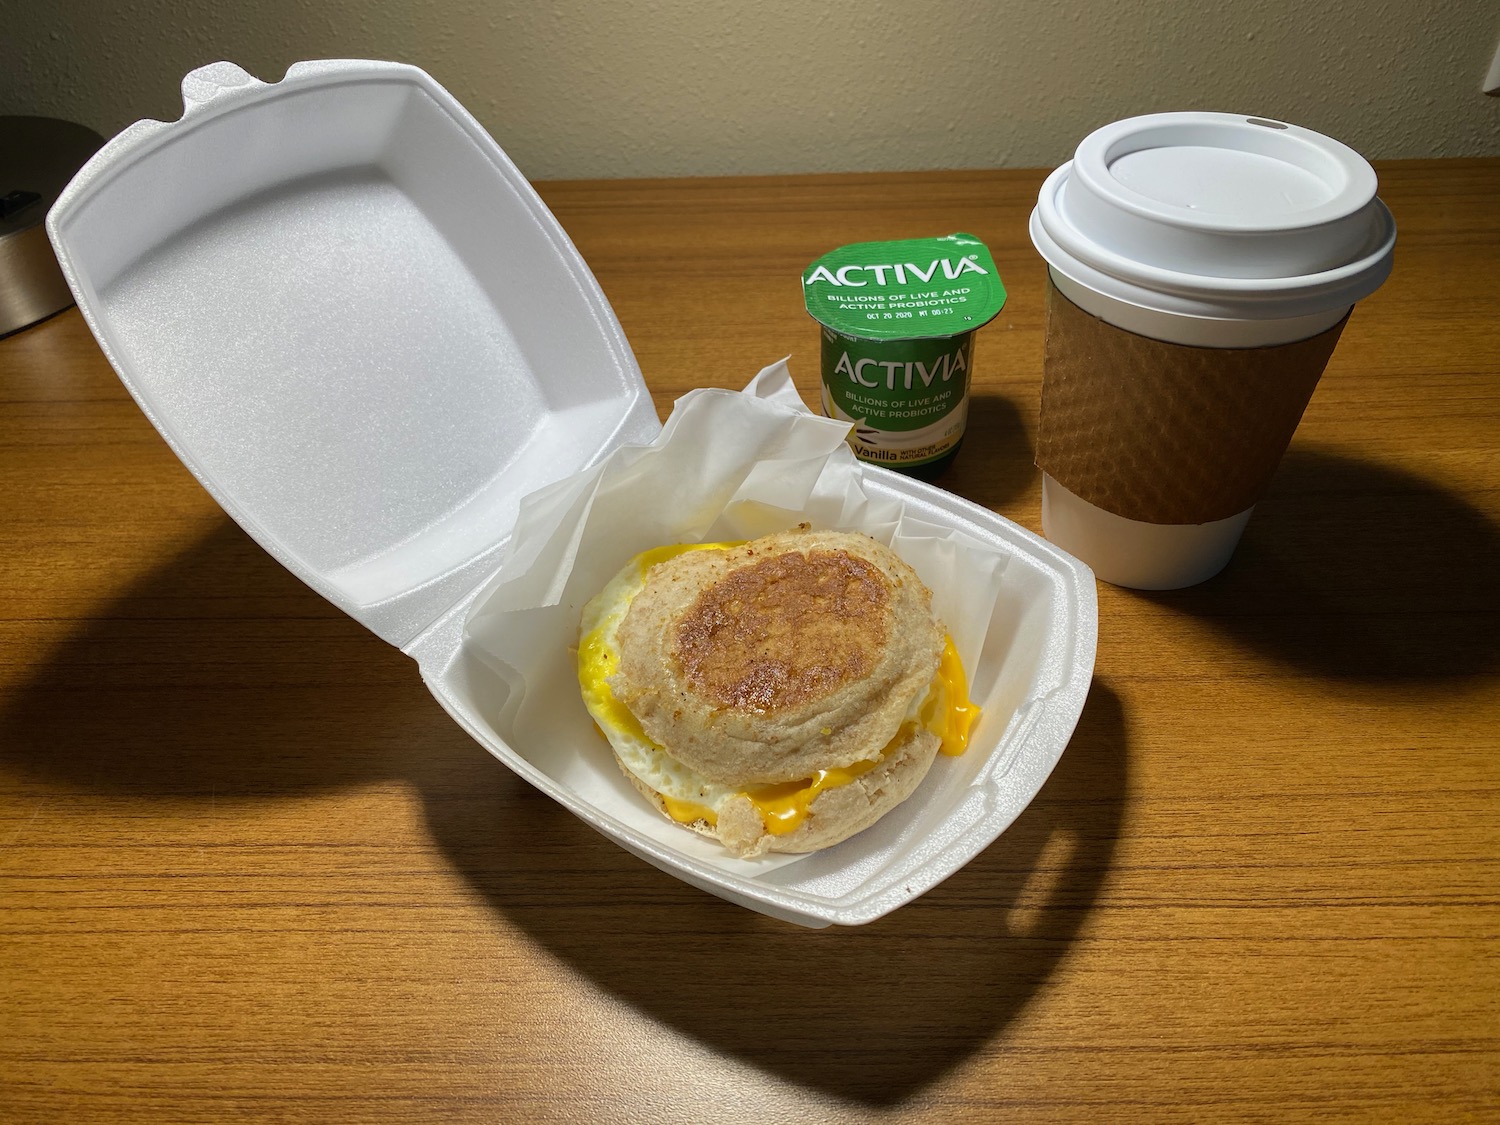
767,662
784,629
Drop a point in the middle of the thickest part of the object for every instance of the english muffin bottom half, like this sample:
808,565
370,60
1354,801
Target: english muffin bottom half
780,694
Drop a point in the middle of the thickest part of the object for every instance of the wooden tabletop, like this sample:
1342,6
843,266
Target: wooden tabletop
249,869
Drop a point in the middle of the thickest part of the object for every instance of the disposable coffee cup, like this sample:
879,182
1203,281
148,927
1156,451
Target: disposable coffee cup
1200,269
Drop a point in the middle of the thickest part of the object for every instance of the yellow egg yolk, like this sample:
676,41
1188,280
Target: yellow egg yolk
946,711
688,812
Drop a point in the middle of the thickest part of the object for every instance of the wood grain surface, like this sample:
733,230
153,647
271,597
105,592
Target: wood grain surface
249,870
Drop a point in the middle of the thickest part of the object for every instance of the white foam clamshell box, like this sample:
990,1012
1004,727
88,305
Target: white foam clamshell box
356,323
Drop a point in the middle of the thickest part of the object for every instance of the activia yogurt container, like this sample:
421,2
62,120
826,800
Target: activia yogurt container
897,323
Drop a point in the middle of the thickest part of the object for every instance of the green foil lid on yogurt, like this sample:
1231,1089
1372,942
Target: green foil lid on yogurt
897,326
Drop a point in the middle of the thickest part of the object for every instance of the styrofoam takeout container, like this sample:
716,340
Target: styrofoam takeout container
355,322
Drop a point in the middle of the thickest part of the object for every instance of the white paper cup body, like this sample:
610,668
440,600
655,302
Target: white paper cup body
1141,556
1213,231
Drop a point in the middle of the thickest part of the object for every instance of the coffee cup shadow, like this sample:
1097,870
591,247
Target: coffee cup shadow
1361,572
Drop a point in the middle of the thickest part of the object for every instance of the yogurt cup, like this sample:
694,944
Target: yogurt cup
1201,267
897,324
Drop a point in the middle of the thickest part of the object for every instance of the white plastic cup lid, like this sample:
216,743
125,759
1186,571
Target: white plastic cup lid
1216,214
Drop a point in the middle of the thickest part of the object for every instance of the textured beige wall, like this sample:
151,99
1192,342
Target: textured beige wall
604,88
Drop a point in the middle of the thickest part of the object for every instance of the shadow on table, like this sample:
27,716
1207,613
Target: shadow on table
1362,572
153,698
872,1014
995,466
276,693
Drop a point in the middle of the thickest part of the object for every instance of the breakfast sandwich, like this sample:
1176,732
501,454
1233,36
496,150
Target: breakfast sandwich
777,695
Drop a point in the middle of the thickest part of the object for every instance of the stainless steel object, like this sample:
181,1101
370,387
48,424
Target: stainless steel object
38,156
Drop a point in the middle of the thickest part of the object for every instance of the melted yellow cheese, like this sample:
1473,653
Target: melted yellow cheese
783,807
949,712
946,711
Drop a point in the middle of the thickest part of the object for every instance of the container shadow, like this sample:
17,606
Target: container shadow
870,1014
221,677
156,697
1362,572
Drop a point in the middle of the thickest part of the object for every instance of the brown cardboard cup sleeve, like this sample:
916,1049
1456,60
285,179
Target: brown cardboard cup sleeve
1168,433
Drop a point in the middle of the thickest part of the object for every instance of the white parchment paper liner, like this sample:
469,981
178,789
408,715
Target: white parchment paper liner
727,465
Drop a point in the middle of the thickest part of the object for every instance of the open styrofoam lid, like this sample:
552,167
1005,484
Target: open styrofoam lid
353,320
1218,207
